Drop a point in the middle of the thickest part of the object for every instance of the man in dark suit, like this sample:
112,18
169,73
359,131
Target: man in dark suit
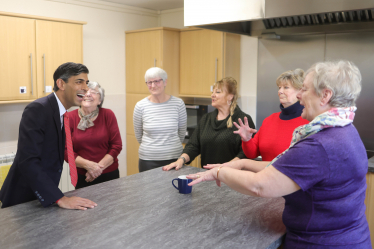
37,167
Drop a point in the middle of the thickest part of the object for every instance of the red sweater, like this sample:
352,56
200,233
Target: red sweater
272,138
97,141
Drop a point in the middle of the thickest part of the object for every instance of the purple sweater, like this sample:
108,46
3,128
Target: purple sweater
328,211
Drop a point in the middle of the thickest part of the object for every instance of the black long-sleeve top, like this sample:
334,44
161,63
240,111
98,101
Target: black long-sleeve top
214,141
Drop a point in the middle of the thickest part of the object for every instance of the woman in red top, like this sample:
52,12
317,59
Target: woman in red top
96,139
275,134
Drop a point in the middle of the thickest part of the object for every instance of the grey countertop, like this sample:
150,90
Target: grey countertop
145,211
371,165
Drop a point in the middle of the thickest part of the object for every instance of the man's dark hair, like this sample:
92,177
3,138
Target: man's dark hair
66,70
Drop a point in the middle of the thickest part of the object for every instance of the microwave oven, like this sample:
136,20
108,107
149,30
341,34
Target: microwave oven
194,115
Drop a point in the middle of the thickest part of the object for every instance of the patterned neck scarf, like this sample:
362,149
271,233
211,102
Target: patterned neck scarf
86,121
335,117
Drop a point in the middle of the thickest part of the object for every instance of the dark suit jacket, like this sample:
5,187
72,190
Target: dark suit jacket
37,167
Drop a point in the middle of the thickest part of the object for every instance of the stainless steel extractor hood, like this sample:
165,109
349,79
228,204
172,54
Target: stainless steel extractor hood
274,18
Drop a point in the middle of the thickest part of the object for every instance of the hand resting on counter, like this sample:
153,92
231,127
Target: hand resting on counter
75,203
177,164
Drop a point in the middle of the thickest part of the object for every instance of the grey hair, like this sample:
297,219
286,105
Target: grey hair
295,77
93,85
155,72
343,78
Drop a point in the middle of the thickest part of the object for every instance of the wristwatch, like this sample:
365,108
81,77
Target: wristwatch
184,159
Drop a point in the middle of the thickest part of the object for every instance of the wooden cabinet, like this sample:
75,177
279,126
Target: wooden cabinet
206,56
369,202
132,145
31,48
56,44
145,49
156,47
17,59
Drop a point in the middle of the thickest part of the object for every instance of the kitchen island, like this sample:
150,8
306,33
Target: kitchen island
145,211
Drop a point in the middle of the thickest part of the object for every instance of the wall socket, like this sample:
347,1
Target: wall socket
48,89
22,89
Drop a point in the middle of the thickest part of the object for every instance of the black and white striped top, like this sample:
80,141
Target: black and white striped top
160,128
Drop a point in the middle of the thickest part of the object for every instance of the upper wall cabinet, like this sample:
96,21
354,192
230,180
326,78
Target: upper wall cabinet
31,48
206,56
155,47
56,43
17,59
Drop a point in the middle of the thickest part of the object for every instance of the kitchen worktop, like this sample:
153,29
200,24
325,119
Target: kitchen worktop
371,165
145,211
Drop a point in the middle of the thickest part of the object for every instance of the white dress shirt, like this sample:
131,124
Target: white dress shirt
62,110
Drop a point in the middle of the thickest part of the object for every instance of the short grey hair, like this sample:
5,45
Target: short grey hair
343,78
295,77
93,85
155,72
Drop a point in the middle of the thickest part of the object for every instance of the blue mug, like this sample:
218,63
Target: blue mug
182,184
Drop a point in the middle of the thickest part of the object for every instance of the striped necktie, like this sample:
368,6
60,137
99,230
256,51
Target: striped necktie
69,146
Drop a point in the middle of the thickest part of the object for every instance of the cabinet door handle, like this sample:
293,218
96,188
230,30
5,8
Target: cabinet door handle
44,72
155,62
216,70
32,82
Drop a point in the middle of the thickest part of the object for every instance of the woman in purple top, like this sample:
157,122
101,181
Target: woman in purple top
322,174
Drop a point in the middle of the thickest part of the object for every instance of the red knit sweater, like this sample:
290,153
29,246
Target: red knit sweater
97,141
272,138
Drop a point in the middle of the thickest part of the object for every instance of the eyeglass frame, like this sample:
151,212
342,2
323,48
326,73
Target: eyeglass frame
93,92
156,82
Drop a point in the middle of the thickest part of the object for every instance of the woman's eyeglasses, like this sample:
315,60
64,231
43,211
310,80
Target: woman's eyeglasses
92,92
156,82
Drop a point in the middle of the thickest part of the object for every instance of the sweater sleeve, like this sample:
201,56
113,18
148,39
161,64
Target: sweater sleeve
138,122
250,147
182,121
192,148
242,154
115,141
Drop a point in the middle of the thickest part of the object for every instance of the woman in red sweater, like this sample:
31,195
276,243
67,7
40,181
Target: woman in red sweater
96,139
275,134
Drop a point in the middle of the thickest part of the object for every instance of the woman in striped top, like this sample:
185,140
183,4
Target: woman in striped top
160,123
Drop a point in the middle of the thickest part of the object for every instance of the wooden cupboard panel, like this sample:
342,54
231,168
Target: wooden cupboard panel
143,50
196,162
232,56
56,43
132,154
131,100
170,60
17,43
199,50
369,201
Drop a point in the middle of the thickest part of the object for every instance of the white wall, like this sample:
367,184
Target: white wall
104,55
248,61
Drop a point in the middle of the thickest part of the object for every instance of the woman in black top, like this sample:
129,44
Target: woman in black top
214,138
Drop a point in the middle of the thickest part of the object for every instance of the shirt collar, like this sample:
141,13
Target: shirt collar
60,106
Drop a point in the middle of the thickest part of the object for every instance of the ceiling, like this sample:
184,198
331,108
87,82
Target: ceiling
150,4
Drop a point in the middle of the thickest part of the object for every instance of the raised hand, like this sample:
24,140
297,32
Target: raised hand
244,131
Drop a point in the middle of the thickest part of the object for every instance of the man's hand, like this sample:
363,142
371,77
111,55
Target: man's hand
76,203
